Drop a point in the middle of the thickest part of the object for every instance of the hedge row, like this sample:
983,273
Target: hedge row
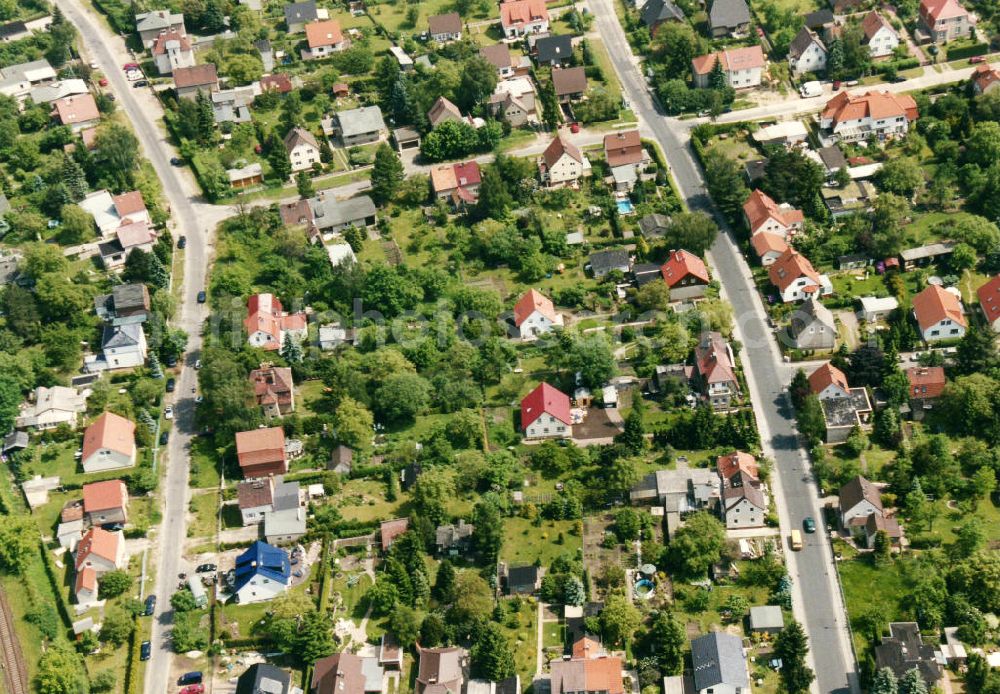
968,51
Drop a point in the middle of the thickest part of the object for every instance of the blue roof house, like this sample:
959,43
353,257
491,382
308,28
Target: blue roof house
262,573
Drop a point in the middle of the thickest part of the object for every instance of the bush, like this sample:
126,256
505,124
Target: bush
967,51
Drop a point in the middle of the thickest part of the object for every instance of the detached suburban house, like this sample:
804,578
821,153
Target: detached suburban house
303,149
879,35
763,214
812,326
844,408
626,157
807,53
498,55
261,452
262,572
545,413
78,112
686,275
105,502
188,81
795,278
742,67
149,25
768,247
444,28
989,302
744,503
298,14
554,51
985,78
590,669
273,390
267,323
458,183
570,83
562,163
861,505
324,38
330,216
513,100
719,664
521,17
535,314
346,672
98,552
715,370
926,385
939,314
52,407
657,12
127,303
359,126
729,17
853,118
108,444
440,670
172,50
942,21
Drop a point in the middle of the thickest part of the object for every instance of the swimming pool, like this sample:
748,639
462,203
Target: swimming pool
625,206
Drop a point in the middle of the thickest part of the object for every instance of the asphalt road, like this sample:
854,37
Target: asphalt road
196,220
817,602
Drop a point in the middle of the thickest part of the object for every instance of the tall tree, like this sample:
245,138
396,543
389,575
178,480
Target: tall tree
74,178
277,157
304,185
912,683
791,648
698,545
884,682
668,640
387,174
488,533
494,199
206,118
492,655
619,619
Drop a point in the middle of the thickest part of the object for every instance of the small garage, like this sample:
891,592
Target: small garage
406,138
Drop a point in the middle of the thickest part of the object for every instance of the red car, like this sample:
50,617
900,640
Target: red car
193,689
574,128
977,59
760,32
103,82
130,66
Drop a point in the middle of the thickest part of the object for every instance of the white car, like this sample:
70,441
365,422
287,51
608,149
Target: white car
168,412
811,89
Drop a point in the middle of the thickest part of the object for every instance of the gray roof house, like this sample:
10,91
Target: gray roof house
523,579
232,105
812,326
656,12
341,460
298,14
603,262
654,226
453,538
766,619
728,17
149,25
357,126
904,650
266,52
331,215
718,660
127,303
262,678
554,50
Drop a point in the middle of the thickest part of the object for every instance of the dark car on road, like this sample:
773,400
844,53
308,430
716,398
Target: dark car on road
206,568
189,678
164,437
202,297
145,650
140,83
809,525
182,242
177,161
171,385
150,605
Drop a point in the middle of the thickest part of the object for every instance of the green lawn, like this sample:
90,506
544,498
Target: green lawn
523,543
352,596
553,635
205,508
867,587
603,60
364,500
204,463
848,284
521,628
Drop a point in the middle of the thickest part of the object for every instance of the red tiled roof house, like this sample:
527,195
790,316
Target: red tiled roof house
535,314
989,302
267,323
562,163
261,452
763,214
521,17
545,413
108,444
828,383
939,314
273,389
105,502
686,275
742,67
853,118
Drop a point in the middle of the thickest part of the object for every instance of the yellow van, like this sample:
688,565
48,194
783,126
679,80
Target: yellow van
796,539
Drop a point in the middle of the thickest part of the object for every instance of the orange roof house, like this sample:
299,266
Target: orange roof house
926,382
273,389
391,529
324,34
762,213
828,382
732,59
100,550
989,302
769,247
535,314
623,148
882,114
589,670
102,500
130,206
939,314
267,322
108,443
685,274
78,111
737,463
795,277
261,452
984,78
520,17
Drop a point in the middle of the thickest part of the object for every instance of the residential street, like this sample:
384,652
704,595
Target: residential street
816,597
197,220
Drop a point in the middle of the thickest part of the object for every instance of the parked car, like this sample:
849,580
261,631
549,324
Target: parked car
171,361
171,385
189,678
206,568
574,128
112,527
140,83
130,66
150,605
193,689
103,82
177,161
164,437
202,297
809,524
182,242
145,650
197,363
168,412
977,59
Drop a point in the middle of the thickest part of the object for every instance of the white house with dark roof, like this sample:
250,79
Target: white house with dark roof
719,665
807,53
302,148
150,25
358,126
